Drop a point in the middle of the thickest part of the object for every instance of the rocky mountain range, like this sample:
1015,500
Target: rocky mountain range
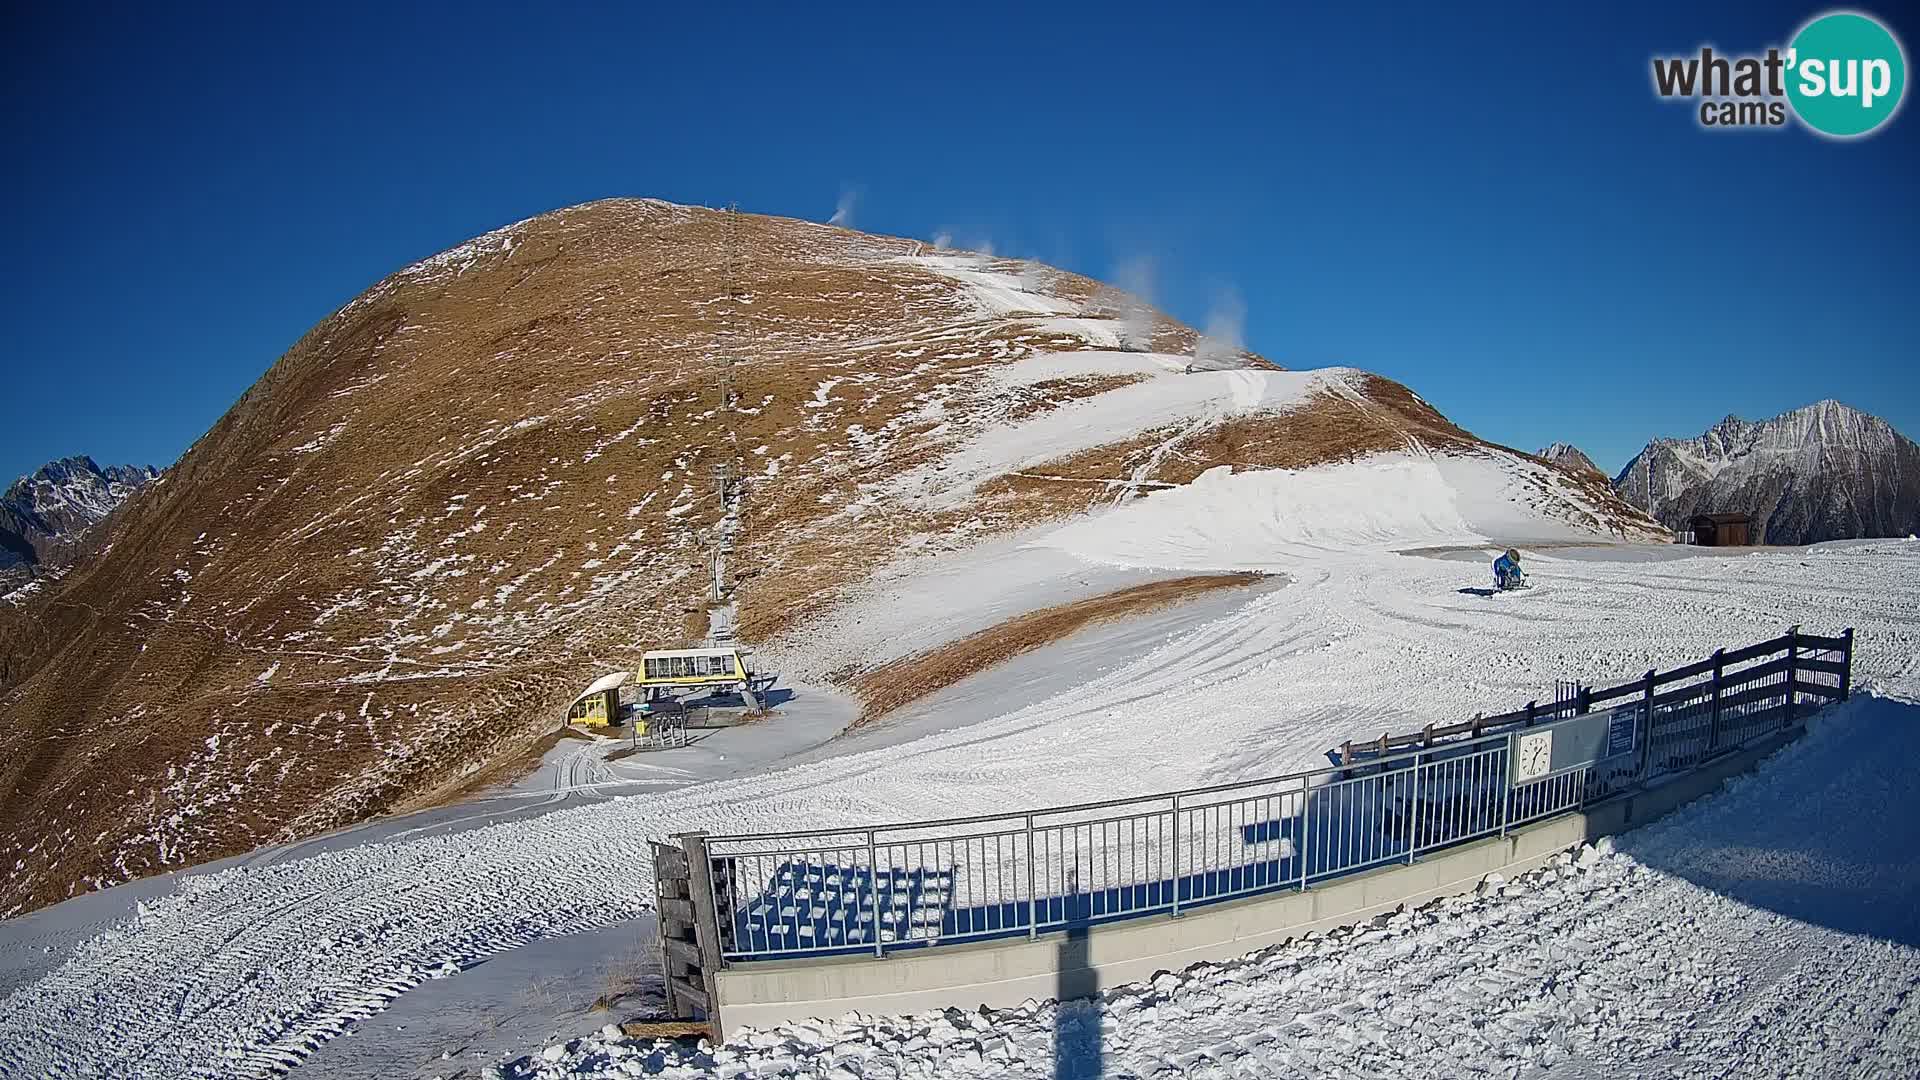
46,515
1568,456
1823,472
491,478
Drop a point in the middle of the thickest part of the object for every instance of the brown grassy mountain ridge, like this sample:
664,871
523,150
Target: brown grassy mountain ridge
488,479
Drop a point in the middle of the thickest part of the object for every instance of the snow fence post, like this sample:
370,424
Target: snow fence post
1646,752
1506,786
1176,854
1306,808
1033,913
1846,664
1793,670
873,870
1713,724
1413,814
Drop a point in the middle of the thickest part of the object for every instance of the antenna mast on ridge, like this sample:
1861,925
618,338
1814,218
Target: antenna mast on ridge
726,478
729,315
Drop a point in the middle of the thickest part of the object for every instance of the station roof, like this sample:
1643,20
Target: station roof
601,685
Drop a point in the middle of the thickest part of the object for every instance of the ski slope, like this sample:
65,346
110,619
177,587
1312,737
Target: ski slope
248,970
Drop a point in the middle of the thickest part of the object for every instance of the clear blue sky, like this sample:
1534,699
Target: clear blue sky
1488,205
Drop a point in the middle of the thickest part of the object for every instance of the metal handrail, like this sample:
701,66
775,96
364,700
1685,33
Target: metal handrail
1074,808
1166,851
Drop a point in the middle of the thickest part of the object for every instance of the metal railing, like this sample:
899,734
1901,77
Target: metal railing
923,884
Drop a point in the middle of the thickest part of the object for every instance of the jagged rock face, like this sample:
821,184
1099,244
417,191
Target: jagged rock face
1824,472
1568,456
45,515
490,479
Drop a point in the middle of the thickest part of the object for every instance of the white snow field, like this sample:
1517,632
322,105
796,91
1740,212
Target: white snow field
248,969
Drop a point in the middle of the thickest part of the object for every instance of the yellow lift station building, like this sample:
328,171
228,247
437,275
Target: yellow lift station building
665,670
599,704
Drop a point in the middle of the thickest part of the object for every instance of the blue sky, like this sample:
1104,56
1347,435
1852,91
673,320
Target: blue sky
1490,205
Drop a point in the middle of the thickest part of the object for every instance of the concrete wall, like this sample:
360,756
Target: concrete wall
1076,963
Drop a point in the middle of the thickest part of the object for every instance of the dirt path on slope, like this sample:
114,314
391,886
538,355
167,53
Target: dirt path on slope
911,678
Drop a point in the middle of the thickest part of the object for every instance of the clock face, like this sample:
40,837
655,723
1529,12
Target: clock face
1533,756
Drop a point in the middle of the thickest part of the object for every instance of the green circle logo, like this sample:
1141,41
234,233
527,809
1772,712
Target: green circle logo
1846,74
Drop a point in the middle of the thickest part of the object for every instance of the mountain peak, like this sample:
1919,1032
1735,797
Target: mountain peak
1568,456
1824,471
44,514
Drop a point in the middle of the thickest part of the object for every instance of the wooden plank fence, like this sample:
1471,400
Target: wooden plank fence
689,951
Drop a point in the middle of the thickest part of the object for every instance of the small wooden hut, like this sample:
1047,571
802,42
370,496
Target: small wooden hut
1723,530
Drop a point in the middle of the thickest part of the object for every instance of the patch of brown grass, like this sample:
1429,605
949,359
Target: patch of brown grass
1049,394
1334,427
1381,416
900,682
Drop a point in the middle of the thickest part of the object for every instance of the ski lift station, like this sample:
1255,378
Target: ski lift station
599,704
719,667
666,674
716,669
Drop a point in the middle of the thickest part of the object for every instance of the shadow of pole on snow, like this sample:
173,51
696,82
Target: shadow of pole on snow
1076,1019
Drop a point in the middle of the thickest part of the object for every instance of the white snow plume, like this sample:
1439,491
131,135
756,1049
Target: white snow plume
1038,277
973,239
1224,341
843,210
1128,301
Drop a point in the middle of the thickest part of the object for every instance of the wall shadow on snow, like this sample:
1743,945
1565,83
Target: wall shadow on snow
1827,833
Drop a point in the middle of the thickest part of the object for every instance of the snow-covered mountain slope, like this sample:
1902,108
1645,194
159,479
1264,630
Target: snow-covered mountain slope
242,970
45,515
489,479
1270,519
1569,456
1824,472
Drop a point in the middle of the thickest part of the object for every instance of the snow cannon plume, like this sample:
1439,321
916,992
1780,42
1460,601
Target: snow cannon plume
1129,303
843,210
1223,345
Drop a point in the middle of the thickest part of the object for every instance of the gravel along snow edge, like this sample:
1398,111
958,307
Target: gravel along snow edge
1611,959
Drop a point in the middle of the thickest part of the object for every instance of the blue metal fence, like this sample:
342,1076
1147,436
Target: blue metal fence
884,888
